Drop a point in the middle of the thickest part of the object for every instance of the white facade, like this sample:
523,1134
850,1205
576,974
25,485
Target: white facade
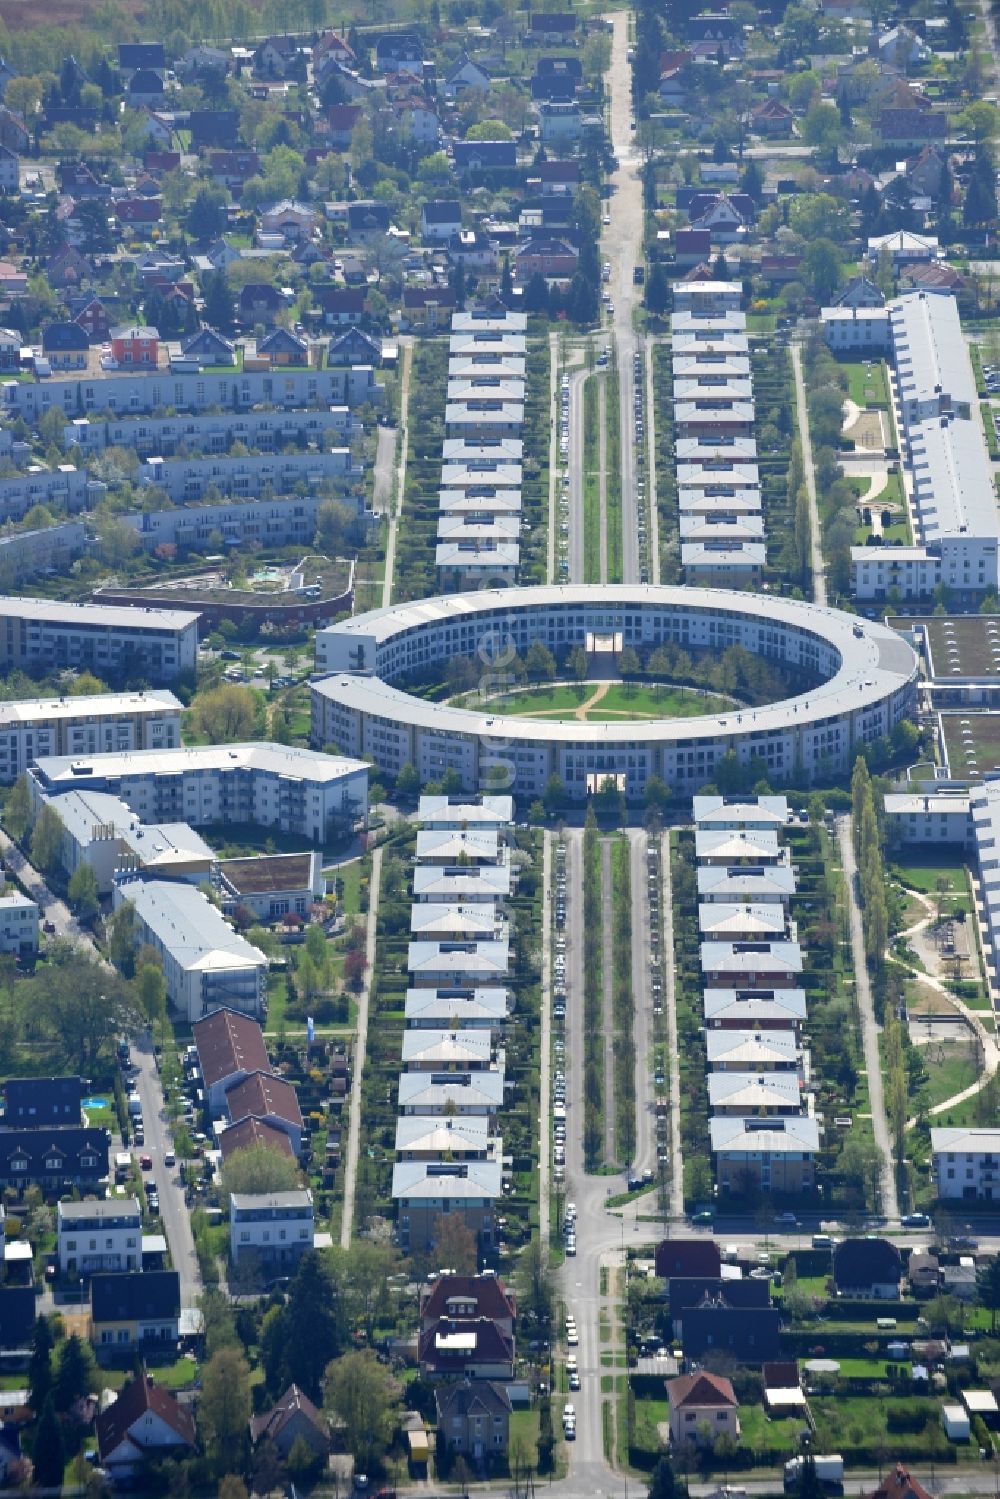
99,830
967,1164
707,298
939,817
277,1226
35,727
103,1236
296,790
205,963
868,680
146,391
43,635
250,476
272,523
954,500
856,330
18,924
64,488
211,432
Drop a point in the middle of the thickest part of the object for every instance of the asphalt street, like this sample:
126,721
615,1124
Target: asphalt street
174,1212
621,245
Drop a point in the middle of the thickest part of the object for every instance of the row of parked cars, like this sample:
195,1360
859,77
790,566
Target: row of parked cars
559,1015
639,415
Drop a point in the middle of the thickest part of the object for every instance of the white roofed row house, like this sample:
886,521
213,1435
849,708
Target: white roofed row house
449,1154
718,483
762,1130
479,522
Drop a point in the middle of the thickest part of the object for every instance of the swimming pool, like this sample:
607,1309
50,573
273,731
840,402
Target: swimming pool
94,1103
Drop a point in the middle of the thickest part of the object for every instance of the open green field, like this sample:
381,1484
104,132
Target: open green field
950,1069
620,701
923,873
867,385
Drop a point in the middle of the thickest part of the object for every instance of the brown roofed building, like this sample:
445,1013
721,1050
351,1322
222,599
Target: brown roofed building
291,1417
264,1096
466,1350
469,1296
702,1408
144,1422
230,1046
900,1485
253,1131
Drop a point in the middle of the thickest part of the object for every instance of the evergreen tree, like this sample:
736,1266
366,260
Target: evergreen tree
220,304
74,1373
40,1365
48,1455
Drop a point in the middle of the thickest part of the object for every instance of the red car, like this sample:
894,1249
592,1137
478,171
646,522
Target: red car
146,1162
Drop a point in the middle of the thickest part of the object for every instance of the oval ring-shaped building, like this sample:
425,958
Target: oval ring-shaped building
854,681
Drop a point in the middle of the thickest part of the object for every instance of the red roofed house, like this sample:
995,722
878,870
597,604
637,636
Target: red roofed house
466,1349
251,1131
233,168
135,346
141,209
899,1485
702,1408
342,119
230,1046
772,118
292,1417
468,1296
144,1422
262,1095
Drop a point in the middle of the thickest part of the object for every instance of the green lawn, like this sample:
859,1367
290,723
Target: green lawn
621,701
524,1430
950,1069
868,386
923,874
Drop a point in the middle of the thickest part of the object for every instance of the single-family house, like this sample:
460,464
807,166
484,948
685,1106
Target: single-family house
440,218
871,1268
289,1420
134,346
400,52
277,57
772,119
473,1419
145,87
144,1422
703,1408
464,77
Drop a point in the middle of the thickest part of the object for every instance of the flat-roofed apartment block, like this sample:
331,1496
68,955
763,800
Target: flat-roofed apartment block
35,727
101,831
46,635
967,1164
954,506
206,964
281,786
18,924
96,1236
275,1226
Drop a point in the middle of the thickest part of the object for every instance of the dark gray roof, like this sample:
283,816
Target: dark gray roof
139,1296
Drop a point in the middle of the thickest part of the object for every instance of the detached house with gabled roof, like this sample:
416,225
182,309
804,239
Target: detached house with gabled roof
440,218
703,1408
144,1422
465,77
473,1418
290,1419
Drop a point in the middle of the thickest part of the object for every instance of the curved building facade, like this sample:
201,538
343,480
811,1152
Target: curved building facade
859,681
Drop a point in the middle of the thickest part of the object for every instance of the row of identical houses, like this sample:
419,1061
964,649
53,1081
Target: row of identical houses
764,1135
718,483
449,1152
480,520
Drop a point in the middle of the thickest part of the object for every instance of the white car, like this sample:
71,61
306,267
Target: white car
569,1411
572,1337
